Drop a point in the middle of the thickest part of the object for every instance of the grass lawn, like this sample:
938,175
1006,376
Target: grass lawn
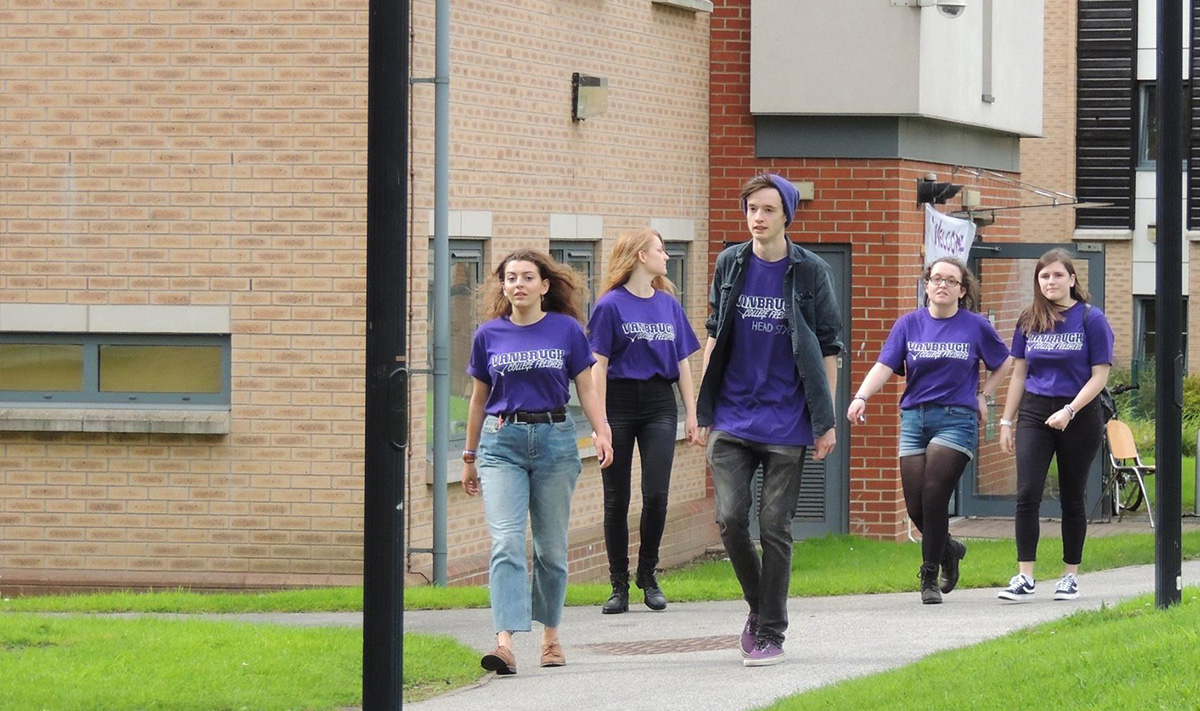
835,565
1187,483
1127,657
107,664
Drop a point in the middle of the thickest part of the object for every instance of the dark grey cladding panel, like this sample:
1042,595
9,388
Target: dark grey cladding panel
906,137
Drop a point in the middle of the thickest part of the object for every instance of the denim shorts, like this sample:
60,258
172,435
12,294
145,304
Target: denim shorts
950,426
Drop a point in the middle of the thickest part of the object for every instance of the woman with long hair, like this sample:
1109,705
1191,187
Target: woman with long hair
938,349
521,442
1062,352
641,339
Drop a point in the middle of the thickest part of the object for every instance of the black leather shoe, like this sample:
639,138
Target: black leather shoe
618,602
930,594
653,595
955,551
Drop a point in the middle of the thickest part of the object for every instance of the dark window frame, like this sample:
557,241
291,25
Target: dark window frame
462,251
91,396
1147,135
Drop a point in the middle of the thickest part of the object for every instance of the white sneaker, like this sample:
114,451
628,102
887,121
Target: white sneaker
1020,589
1067,588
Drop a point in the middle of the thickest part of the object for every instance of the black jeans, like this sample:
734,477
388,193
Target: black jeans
1076,448
764,583
643,411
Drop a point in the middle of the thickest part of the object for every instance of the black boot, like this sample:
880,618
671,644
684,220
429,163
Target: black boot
955,551
655,600
930,595
618,602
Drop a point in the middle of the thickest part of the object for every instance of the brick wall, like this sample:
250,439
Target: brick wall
869,204
213,152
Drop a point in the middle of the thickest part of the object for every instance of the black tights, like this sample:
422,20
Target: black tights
929,481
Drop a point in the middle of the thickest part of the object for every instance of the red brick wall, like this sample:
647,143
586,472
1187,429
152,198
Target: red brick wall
870,204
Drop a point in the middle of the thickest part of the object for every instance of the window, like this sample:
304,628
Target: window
580,256
677,268
90,368
1146,347
1148,128
466,275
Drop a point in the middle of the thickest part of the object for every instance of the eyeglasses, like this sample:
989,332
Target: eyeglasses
943,281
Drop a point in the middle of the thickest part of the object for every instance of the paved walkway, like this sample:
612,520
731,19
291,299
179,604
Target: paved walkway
830,639
686,656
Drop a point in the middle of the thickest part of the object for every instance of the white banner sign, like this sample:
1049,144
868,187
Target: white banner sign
946,236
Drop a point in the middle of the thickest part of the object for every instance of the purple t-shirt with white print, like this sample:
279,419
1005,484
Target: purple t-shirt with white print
762,398
1059,362
939,357
529,368
642,338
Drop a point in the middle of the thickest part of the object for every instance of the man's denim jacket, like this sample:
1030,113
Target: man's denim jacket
814,321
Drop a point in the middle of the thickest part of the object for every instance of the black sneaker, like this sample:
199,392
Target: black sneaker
1020,589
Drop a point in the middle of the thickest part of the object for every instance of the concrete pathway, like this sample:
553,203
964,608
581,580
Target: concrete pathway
686,656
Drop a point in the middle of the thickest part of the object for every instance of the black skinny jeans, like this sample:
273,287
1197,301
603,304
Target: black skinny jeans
643,411
1076,448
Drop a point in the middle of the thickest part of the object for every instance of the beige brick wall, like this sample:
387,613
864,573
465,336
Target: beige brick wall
516,152
213,152
1049,161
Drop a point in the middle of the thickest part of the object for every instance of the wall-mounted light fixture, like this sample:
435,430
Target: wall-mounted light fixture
589,96
949,8
937,193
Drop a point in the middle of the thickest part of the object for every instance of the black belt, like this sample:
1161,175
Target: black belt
534,418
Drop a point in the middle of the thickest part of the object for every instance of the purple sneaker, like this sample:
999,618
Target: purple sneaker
765,653
749,634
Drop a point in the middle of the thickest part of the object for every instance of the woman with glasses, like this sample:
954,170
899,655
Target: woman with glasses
521,442
641,340
1062,352
938,349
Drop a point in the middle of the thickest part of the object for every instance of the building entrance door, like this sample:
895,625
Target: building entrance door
1006,275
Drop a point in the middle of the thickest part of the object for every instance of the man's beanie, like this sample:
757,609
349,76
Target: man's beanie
787,191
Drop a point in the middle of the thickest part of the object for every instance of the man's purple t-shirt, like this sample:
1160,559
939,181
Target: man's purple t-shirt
939,357
762,399
529,368
1059,362
642,338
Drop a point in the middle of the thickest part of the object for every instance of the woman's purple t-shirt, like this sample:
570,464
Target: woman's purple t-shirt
939,357
1059,362
642,338
762,398
529,368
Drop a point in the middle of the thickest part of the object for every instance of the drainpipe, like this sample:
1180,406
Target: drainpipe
441,283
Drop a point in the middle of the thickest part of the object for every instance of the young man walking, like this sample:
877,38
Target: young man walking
770,367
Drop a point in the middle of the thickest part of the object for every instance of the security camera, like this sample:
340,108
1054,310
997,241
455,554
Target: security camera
952,8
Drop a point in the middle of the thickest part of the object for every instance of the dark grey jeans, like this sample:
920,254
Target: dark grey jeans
764,583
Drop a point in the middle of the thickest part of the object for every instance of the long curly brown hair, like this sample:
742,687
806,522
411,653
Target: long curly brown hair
1042,315
970,300
563,297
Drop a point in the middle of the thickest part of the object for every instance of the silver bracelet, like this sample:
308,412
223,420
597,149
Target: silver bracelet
1070,410
1005,423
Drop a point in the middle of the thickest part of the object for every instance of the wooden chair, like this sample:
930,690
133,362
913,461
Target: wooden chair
1127,467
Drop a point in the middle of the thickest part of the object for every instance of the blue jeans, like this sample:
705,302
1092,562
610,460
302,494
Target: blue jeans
950,426
528,469
764,583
